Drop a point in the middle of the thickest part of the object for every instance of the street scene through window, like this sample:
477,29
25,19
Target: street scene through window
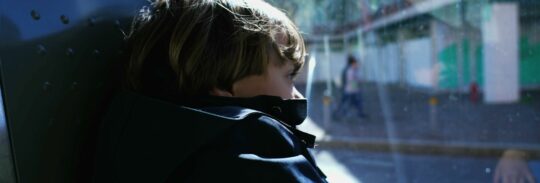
441,91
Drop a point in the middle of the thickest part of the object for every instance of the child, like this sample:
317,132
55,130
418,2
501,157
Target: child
211,98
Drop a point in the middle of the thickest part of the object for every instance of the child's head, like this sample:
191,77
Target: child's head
187,48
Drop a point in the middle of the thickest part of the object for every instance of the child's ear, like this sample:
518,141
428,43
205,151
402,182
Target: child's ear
220,92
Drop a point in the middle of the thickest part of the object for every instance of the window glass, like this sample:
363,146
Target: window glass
442,91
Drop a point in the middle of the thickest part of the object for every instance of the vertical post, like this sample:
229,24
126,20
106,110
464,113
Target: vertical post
472,59
362,54
310,71
401,57
500,33
371,50
346,48
328,92
435,78
473,82
327,66
434,55
460,42
381,71
460,60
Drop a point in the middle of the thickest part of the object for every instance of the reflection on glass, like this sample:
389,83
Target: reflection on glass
451,88
7,173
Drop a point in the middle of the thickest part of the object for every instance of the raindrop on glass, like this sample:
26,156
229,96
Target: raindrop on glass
46,86
117,24
35,15
91,22
41,49
64,19
74,85
70,52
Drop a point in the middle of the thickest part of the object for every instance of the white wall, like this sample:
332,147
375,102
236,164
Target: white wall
500,32
417,54
370,61
390,63
419,70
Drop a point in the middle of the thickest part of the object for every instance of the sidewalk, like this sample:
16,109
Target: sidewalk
459,123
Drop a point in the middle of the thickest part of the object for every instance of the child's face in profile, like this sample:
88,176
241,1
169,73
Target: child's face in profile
276,81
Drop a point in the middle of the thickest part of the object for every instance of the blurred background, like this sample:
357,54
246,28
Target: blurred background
447,88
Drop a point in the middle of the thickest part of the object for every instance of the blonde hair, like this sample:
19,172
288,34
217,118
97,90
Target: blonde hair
184,48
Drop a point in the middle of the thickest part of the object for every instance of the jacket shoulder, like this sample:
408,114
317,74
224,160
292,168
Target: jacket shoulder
261,128
257,148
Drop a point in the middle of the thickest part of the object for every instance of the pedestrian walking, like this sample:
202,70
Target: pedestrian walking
351,95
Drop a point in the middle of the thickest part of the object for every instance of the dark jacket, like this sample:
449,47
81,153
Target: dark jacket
217,139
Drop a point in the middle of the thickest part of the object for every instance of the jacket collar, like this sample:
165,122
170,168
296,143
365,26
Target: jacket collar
292,111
